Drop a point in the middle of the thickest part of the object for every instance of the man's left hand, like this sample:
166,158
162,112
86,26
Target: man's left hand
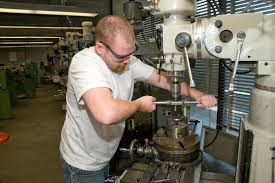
207,101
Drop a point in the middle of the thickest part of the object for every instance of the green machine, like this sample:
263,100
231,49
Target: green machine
30,80
11,85
5,104
26,81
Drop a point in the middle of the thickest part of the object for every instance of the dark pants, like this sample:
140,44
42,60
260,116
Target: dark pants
75,175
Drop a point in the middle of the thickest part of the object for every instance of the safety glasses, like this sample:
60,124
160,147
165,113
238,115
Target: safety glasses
117,57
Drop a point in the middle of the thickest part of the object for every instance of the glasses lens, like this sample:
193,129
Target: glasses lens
117,57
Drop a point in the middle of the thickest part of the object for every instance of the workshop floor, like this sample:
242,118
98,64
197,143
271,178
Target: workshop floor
31,155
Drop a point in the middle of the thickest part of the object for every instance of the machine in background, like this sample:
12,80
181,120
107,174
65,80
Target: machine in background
64,51
5,104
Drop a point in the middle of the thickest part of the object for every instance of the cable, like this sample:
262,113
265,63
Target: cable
211,5
218,7
238,72
248,6
143,36
273,170
214,139
148,61
153,25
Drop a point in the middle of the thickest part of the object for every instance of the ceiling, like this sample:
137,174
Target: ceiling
102,8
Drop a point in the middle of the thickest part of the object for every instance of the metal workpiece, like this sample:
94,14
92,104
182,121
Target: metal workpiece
177,131
175,87
175,90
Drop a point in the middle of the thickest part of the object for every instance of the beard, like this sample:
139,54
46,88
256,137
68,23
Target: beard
120,68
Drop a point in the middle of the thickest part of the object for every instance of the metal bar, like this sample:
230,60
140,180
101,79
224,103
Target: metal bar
197,171
223,5
170,102
192,83
147,177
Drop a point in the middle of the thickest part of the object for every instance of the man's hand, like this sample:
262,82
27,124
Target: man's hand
206,101
146,104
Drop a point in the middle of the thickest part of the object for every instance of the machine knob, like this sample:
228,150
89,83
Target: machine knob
241,35
218,49
218,23
226,36
183,39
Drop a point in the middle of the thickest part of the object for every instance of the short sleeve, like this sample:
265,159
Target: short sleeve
85,74
141,71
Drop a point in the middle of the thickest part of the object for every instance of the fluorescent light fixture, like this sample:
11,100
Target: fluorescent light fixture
26,42
29,37
42,9
27,46
46,12
37,27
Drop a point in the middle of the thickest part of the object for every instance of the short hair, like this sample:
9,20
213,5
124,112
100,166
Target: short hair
109,27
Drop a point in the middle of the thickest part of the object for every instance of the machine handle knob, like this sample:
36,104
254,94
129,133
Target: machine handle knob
183,39
122,149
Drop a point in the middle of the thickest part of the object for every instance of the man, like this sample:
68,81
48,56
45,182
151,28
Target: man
99,91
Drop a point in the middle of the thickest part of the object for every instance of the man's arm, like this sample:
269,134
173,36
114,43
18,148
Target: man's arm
107,110
162,80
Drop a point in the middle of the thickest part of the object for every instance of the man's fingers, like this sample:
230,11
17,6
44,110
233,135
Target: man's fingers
207,101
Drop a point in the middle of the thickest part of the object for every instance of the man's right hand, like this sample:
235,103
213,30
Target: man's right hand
146,104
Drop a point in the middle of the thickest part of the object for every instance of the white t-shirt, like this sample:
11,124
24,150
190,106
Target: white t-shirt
85,143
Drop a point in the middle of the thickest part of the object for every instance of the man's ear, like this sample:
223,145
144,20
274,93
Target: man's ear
99,48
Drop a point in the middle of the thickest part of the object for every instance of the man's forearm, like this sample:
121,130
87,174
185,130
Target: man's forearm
124,109
120,110
188,91
164,82
107,110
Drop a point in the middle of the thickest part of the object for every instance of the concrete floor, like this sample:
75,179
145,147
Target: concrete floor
32,153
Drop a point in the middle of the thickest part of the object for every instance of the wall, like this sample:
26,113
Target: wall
23,54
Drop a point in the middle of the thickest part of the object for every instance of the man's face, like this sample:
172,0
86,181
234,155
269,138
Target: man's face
117,54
